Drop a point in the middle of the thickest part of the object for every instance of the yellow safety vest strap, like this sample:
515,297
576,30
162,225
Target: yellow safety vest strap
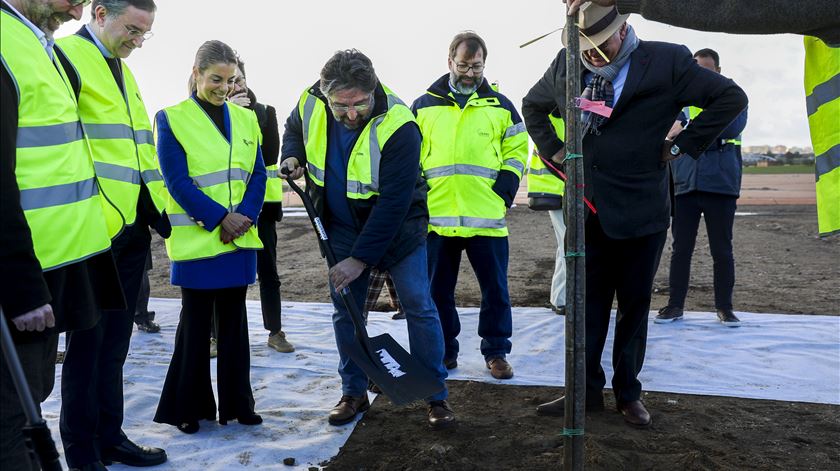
57,195
51,135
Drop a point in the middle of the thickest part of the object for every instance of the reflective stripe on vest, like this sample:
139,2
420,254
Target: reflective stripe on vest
366,156
541,181
462,153
822,92
118,129
54,171
221,169
466,221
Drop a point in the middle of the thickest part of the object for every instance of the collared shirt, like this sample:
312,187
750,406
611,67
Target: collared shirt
48,43
104,50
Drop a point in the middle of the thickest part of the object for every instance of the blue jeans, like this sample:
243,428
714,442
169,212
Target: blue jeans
489,259
412,284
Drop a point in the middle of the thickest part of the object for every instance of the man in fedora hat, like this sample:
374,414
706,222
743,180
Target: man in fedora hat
643,86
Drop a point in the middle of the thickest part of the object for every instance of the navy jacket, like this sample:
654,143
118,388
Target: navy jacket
625,176
718,170
395,223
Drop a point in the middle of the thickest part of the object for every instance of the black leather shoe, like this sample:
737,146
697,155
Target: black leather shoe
250,419
451,364
727,318
560,311
131,454
148,326
348,406
557,407
95,466
441,415
188,427
668,314
634,413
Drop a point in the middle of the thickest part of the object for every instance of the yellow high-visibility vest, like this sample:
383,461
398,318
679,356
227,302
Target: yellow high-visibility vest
119,133
822,96
545,189
54,170
462,153
220,169
365,158
274,185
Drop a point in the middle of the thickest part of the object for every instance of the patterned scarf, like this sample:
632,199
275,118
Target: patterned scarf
600,86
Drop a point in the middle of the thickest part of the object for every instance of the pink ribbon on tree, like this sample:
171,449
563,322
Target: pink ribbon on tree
597,107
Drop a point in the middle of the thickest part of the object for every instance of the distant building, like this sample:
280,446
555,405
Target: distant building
779,150
756,149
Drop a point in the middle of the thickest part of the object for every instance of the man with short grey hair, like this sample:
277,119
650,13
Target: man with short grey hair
58,270
120,136
374,220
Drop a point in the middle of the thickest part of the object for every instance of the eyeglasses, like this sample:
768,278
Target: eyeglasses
75,3
135,33
359,108
464,68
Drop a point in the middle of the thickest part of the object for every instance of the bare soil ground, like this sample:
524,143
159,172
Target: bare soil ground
781,267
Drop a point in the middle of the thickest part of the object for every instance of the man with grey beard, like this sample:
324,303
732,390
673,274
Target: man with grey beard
58,269
473,155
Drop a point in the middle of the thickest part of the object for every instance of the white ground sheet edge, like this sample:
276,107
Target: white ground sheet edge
779,357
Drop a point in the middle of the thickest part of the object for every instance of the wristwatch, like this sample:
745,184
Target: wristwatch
675,150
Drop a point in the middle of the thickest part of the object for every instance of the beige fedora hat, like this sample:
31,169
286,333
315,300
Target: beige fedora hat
597,23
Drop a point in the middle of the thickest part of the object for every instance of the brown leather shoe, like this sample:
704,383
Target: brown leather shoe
500,368
348,406
557,407
634,413
441,415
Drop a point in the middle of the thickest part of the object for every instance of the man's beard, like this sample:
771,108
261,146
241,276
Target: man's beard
359,123
463,89
46,19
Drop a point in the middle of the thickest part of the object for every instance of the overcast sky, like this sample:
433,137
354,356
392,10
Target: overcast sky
285,43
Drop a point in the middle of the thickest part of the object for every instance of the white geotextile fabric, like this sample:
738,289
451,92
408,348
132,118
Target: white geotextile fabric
782,357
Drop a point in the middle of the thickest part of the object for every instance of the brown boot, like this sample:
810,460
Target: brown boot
500,368
441,415
348,406
634,413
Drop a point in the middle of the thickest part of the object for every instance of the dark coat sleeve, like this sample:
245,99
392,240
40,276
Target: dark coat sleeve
398,175
736,127
22,284
293,145
270,137
539,103
721,99
820,18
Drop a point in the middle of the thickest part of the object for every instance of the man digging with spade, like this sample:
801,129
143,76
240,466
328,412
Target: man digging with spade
360,146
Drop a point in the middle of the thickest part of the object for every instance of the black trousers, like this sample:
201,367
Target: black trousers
92,373
187,391
622,268
141,312
37,359
267,266
719,213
